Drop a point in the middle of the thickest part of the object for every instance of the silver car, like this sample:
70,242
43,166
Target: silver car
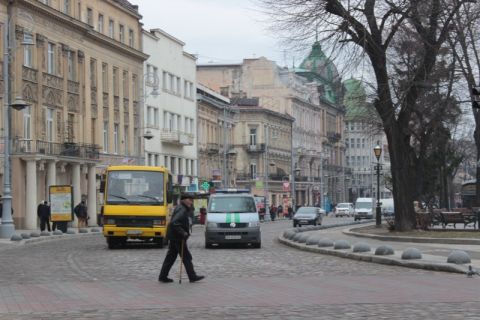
308,215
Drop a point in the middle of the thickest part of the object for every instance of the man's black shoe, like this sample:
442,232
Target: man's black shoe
197,278
165,280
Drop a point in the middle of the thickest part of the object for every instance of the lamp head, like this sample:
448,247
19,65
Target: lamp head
19,104
378,151
155,93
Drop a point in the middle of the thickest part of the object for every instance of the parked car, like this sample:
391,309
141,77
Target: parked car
388,209
344,210
308,215
364,208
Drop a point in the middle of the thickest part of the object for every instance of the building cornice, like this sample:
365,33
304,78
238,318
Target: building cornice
84,29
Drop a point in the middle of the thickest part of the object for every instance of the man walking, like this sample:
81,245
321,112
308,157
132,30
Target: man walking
43,213
81,214
178,232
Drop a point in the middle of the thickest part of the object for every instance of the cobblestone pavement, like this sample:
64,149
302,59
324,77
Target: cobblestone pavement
79,278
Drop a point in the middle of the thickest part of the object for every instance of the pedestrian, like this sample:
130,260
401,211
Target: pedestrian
203,215
81,214
290,212
177,234
43,213
280,211
273,212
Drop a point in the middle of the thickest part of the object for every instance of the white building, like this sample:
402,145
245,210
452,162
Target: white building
170,117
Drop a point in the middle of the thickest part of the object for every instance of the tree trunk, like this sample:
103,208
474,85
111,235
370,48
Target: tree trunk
403,170
476,136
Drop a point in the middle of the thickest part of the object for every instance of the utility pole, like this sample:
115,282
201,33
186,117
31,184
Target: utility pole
265,170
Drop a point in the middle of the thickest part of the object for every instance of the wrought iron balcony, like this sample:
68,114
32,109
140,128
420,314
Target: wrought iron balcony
255,147
66,149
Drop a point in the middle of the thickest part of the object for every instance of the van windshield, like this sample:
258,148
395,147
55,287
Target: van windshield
234,204
363,205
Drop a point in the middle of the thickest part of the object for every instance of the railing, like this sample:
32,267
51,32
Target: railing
177,137
255,147
67,149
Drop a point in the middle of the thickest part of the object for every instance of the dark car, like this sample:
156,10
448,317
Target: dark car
308,215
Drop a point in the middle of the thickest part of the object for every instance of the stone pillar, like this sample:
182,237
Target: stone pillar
51,177
77,191
92,196
31,196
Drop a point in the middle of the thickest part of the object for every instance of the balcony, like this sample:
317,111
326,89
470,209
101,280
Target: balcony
255,148
176,137
333,137
213,148
65,149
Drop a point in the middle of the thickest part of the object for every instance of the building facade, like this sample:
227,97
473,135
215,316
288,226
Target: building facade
172,115
216,124
78,64
363,132
312,97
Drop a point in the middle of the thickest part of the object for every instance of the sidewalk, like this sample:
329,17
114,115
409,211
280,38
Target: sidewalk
434,255
7,243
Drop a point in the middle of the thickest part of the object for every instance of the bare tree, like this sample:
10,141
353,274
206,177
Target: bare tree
371,27
464,42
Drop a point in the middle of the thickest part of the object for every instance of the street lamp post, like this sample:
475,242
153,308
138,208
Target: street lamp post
378,151
7,228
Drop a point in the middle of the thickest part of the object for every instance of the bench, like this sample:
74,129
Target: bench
460,215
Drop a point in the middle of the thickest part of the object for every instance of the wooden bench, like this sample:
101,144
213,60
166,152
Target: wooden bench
460,215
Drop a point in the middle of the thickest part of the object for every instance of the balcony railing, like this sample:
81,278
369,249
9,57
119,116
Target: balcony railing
177,137
255,147
66,149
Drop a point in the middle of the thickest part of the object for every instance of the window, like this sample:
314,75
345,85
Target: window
253,170
51,58
135,87
131,38
125,84
27,134
79,11
49,125
71,66
111,28
121,33
192,169
178,87
90,17
105,136
152,117
165,80
93,73
192,126
66,6
116,137
125,139
105,77
173,166
115,81
253,136
28,50
165,161
100,23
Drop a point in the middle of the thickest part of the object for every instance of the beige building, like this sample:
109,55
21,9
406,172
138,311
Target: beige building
81,74
216,125
309,94
263,151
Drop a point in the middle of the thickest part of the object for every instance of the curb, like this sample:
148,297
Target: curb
12,244
412,239
371,257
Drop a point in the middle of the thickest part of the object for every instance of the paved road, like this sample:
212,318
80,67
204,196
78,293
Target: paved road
78,278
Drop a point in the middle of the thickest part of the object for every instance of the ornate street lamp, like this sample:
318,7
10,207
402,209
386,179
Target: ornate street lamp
378,152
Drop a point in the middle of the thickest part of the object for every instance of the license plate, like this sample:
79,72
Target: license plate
233,237
134,232
303,221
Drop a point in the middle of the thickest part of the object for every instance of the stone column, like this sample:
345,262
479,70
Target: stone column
51,176
92,196
31,196
77,191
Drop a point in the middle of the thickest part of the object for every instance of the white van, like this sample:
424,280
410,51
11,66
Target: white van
232,217
388,209
364,208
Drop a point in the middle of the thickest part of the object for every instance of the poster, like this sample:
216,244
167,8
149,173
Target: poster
61,203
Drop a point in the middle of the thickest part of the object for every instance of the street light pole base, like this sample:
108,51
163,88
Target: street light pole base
7,230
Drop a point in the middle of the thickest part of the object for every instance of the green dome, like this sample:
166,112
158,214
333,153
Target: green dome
318,63
355,101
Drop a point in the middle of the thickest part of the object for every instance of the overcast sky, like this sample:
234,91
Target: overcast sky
220,31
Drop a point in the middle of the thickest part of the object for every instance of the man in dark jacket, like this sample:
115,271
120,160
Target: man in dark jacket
43,212
178,232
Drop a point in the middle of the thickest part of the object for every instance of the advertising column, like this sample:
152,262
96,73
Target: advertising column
61,200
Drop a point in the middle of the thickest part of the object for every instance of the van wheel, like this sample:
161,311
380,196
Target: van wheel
315,223
208,245
115,242
257,245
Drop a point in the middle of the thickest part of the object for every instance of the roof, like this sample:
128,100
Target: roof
127,5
